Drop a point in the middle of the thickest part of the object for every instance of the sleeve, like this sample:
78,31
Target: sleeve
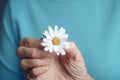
9,40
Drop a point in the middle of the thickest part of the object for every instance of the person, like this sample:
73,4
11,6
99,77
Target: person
92,25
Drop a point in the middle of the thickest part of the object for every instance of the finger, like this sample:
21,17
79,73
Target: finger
31,63
72,51
35,72
24,52
31,43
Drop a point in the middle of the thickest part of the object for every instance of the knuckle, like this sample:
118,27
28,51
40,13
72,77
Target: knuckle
25,39
37,63
22,63
39,54
34,72
25,42
44,69
22,41
19,50
74,47
34,52
33,62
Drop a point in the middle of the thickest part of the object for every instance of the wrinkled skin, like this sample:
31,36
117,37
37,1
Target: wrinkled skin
41,65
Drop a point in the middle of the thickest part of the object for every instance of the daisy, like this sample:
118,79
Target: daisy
55,40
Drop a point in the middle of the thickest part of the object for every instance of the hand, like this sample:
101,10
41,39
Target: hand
43,65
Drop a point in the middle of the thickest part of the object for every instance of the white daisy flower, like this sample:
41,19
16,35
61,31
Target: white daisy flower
55,40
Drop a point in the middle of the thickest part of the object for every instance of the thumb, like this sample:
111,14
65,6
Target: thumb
74,63
73,52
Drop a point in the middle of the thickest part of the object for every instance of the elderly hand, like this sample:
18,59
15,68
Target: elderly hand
40,65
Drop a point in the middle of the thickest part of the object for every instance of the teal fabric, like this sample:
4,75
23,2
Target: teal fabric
94,25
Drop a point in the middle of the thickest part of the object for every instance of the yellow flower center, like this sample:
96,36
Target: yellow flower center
56,41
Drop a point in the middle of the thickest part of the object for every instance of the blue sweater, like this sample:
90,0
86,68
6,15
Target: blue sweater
94,25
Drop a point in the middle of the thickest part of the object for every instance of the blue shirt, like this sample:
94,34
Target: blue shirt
94,25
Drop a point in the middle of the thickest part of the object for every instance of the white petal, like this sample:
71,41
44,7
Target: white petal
61,50
46,40
47,35
58,53
43,44
51,49
46,48
63,40
61,32
64,37
51,32
55,48
46,44
65,44
55,30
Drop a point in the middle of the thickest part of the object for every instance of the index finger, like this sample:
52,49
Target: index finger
31,53
31,43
